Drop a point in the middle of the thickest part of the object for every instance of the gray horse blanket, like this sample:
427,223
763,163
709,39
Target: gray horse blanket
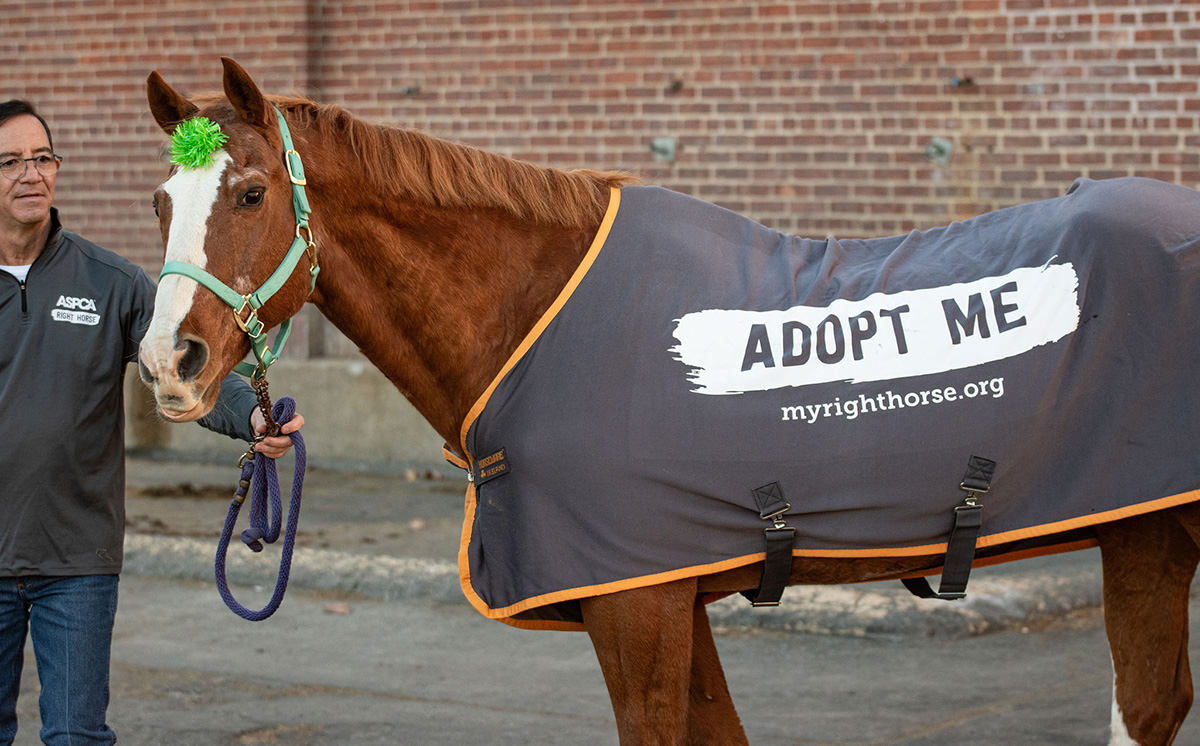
697,355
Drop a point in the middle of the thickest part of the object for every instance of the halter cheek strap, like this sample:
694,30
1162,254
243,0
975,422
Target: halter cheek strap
250,303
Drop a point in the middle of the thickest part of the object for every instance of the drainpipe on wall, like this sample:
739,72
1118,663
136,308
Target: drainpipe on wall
314,17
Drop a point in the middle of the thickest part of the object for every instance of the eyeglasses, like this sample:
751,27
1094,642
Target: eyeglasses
14,168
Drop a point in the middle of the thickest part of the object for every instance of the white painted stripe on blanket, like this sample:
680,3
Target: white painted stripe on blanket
882,337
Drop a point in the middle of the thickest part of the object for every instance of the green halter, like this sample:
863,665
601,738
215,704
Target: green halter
251,325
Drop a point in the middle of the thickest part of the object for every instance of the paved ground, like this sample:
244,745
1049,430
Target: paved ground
412,664
187,673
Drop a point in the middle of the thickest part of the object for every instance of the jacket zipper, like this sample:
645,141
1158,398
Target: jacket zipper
24,303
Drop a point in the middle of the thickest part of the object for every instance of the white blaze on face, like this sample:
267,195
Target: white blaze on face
193,193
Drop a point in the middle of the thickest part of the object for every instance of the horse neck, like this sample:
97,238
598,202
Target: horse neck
436,298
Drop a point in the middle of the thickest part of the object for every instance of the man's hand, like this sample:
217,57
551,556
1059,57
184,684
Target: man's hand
280,444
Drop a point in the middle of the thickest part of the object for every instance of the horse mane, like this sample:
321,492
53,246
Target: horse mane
409,164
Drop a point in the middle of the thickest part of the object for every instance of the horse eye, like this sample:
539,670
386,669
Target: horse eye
155,204
252,198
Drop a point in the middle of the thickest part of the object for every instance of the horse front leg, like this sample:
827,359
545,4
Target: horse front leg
1149,562
643,640
712,718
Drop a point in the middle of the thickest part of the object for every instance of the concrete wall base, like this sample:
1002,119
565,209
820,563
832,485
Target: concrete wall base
354,419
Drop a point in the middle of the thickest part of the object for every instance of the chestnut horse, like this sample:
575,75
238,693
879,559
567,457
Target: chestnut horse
436,260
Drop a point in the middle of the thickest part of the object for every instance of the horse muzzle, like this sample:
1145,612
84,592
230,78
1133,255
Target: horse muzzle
174,378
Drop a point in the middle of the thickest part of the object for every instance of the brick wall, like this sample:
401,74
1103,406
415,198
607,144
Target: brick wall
813,117
84,65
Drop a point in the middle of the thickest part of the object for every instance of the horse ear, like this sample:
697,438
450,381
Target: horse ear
249,102
167,106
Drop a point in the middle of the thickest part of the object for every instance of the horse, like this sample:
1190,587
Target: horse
438,260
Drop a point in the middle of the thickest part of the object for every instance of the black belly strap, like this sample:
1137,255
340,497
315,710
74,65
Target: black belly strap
960,551
779,541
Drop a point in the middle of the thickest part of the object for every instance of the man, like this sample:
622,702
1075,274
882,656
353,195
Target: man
71,317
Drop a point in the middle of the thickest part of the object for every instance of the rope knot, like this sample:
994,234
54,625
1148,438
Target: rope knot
250,537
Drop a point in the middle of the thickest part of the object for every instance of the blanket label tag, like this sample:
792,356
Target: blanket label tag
489,467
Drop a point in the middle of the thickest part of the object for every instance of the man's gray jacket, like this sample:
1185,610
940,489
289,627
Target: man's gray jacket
66,336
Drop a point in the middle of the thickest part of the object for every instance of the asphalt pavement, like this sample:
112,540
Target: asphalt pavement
374,643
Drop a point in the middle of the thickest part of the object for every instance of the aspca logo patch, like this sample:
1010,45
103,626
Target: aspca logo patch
75,311
81,304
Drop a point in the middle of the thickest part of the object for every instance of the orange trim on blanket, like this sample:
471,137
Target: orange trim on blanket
454,458
1046,551
504,614
601,589
1107,516
1074,546
1008,537
610,215
464,563
464,566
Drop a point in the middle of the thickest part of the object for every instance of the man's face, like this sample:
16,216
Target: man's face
25,201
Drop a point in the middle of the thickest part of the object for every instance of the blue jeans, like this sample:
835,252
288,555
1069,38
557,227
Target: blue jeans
70,620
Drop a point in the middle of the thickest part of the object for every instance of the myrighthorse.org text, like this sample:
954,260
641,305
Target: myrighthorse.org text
888,401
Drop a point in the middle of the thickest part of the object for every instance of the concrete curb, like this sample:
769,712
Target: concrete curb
375,576
993,603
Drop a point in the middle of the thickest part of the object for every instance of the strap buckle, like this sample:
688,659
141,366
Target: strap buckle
778,543
306,239
310,250
977,480
777,516
964,533
297,180
252,319
249,455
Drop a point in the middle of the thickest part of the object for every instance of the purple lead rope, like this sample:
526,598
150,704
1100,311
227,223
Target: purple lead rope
259,473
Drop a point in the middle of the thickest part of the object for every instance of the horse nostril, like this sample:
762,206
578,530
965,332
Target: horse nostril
144,372
195,355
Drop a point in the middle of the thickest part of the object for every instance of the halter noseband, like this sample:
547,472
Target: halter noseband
251,325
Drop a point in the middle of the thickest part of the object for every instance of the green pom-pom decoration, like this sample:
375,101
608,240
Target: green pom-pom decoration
194,141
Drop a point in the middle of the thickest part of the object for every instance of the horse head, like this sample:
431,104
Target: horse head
228,216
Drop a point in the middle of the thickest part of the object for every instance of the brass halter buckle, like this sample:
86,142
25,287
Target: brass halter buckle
287,158
310,250
252,320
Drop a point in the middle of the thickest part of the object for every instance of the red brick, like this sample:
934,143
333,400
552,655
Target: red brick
786,100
